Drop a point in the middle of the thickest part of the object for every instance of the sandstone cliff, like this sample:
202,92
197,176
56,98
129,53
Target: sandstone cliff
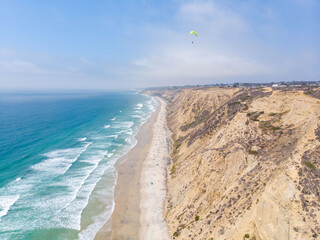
245,164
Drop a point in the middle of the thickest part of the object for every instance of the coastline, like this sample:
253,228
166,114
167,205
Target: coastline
126,220
153,181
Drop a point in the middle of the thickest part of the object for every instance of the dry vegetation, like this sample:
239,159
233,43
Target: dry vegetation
245,164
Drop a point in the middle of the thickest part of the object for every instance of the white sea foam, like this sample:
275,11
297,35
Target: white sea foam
139,106
130,124
117,144
95,157
99,220
59,161
82,139
106,126
151,106
18,179
91,231
81,186
115,136
69,205
99,137
6,202
136,116
112,119
80,201
123,125
63,183
140,113
126,131
106,198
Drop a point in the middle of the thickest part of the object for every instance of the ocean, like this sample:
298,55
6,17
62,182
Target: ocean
57,160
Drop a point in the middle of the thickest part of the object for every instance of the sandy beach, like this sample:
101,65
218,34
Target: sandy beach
153,181
141,185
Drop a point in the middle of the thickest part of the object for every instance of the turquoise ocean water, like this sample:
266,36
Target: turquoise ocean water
57,157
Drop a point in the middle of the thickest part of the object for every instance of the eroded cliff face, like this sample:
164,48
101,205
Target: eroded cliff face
245,164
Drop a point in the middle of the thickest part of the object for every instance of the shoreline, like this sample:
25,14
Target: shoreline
153,187
126,221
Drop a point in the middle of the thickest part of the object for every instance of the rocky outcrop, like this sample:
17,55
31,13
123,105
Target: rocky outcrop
245,164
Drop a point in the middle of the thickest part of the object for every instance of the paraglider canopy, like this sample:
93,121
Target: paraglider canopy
194,32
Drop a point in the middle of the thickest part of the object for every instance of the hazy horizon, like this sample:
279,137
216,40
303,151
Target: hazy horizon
105,45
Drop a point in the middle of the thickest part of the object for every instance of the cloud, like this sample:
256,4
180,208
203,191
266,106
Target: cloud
32,70
227,49
211,17
20,66
192,66
142,62
215,54
6,52
198,12
237,42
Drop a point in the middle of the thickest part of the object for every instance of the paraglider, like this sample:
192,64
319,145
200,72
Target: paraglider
194,33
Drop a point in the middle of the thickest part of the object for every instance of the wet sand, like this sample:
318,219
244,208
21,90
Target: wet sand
126,217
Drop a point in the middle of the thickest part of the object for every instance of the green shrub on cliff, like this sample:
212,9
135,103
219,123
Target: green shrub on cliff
173,169
309,164
176,234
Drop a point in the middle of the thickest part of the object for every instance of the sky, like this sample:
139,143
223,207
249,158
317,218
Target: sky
104,44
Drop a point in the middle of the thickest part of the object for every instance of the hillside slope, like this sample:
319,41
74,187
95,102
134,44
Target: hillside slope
245,164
